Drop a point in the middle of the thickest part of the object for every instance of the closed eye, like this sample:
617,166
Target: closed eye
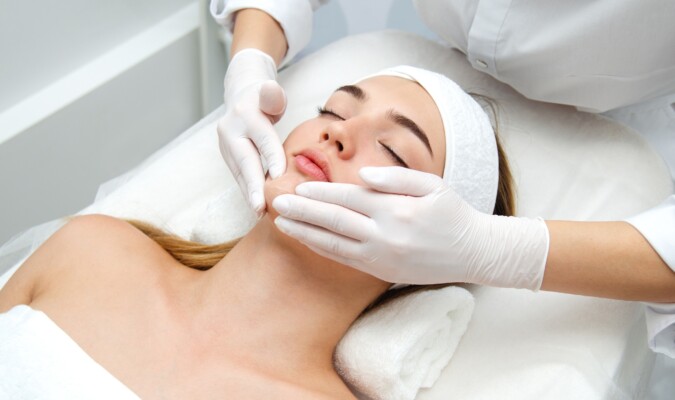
392,154
328,111
395,157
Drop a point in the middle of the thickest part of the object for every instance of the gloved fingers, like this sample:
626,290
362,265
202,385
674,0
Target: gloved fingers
223,128
251,180
266,140
244,161
272,100
334,246
347,195
331,217
399,180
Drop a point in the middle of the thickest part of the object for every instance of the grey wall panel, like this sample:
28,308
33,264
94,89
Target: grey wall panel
44,40
55,167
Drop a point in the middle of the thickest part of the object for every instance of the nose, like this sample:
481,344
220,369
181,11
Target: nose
338,134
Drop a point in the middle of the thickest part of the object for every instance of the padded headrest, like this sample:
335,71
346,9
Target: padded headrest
566,164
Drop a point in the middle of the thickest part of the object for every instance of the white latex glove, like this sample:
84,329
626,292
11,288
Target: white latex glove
425,234
253,102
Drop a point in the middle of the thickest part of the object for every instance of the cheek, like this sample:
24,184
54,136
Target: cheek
370,154
304,134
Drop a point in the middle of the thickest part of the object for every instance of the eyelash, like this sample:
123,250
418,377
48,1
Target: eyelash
395,157
328,111
398,160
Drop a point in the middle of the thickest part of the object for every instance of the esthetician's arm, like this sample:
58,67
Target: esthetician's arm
606,259
425,233
266,34
431,235
253,102
255,29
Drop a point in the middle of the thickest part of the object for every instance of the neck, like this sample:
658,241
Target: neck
291,304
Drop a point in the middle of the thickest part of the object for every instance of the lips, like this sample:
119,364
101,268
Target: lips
313,164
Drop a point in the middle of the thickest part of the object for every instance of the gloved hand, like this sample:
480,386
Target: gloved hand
425,234
253,102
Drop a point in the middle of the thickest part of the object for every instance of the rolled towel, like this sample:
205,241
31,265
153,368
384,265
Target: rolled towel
393,351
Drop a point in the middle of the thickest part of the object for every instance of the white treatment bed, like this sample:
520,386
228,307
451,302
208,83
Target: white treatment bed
567,165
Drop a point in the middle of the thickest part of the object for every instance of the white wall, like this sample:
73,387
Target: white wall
42,41
89,89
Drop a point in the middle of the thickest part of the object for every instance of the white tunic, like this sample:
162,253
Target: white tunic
658,227
595,55
294,16
592,54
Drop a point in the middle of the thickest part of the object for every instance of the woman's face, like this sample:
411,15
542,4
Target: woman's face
380,121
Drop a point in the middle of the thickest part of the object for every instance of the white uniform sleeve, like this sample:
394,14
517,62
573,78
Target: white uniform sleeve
658,227
294,16
593,55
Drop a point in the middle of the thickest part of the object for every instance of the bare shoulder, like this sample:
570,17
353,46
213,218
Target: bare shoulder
100,235
88,249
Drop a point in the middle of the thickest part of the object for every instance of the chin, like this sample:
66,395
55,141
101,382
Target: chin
285,184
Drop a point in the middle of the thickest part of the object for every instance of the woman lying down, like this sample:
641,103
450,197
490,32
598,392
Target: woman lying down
259,318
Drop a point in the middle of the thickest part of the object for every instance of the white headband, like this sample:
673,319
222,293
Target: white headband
471,160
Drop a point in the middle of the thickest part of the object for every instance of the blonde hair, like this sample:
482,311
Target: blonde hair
202,257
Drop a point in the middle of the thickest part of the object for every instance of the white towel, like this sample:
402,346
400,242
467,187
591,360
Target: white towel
393,351
38,361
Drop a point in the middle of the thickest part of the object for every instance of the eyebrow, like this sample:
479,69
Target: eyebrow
355,91
409,124
392,115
